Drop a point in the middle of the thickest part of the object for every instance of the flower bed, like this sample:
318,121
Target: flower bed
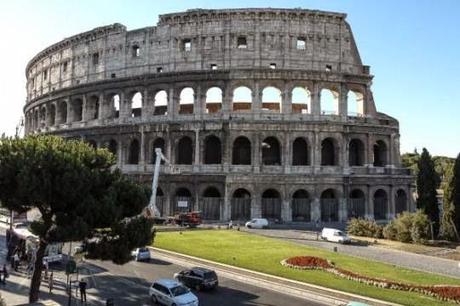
443,292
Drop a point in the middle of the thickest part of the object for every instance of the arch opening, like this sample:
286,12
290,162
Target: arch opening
93,108
62,112
241,205
355,104
183,201
212,151
380,204
301,100
134,150
356,153
301,210
113,147
213,100
211,204
160,103
77,110
241,151
158,143
184,153
271,99
242,99
271,151
52,115
329,152
329,102
356,207
300,154
271,205
136,105
380,154
187,99
329,206
400,202
115,102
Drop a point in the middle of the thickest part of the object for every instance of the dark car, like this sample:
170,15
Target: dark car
198,278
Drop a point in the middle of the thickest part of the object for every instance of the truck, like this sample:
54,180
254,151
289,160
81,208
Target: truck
191,219
334,235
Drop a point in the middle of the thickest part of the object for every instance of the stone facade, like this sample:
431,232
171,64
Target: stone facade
237,99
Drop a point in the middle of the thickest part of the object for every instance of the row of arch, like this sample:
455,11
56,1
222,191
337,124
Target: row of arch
243,98
300,204
270,148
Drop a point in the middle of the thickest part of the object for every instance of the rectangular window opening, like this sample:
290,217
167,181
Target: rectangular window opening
273,66
213,67
113,75
159,69
301,44
242,43
95,58
64,67
187,44
45,74
328,68
136,52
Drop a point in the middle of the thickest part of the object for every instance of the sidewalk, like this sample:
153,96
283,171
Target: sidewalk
275,283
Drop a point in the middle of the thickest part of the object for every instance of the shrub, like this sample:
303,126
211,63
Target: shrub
363,227
403,224
420,230
389,231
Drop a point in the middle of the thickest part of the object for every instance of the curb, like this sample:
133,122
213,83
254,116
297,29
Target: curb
287,286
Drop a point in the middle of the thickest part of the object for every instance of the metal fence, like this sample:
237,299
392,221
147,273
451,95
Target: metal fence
241,209
271,208
210,208
380,208
181,204
301,210
356,208
329,210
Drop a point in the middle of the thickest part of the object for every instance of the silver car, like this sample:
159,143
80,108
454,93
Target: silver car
171,293
141,254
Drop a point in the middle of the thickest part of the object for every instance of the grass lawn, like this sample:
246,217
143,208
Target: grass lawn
264,255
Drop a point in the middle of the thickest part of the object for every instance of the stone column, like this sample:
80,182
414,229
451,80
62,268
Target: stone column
142,162
85,113
256,153
125,106
256,100
315,211
286,158
227,98
286,107
199,102
370,150
286,211
343,101
343,214
69,111
147,108
370,204
317,150
256,206
102,112
391,204
172,103
316,100
196,163
226,211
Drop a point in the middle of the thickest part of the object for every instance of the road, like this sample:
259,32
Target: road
130,283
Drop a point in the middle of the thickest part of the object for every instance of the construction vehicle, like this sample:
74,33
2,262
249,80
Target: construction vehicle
191,219
151,210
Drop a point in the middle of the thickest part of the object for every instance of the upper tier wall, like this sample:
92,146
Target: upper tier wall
199,40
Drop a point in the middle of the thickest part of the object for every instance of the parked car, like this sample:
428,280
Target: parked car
141,254
169,292
257,223
335,235
198,278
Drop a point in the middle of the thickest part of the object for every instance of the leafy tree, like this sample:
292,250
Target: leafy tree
78,194
453,192
427,183
447,229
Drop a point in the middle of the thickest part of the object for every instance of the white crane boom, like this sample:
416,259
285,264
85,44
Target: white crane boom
156,172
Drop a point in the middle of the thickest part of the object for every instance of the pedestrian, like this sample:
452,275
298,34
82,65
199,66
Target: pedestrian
46,267
4,273
16,261
51,282
82,285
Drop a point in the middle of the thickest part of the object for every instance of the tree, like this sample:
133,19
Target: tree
427,183
78,194
447,229
453,194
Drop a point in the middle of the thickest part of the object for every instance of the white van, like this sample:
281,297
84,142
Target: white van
335,235
257,223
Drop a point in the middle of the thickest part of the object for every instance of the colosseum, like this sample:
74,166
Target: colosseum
261,112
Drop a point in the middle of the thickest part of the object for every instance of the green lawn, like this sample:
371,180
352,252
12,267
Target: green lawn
264,254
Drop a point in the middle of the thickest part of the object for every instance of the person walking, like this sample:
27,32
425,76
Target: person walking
16,261
3,274
51,282
82,285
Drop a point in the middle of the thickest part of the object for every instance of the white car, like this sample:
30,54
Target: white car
171,293
141,254
257,223
334,235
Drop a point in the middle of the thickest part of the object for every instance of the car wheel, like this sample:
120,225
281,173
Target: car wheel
154,299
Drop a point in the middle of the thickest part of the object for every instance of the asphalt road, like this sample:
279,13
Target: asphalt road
129,284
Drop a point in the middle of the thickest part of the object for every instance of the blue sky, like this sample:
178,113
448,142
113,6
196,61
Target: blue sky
412,46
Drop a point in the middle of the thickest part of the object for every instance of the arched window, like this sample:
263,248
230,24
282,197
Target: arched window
134,149
93,107
242,99
241,151
328,152
271,151
136,105
183,201
301,101
211,204
92,143
300,152
400,201
301,206
329,102
42,116
355,104
356,204
115,102
161,103
62,112
36,120
187,99
113,147
52,115
271,99
213,100
77,109
241,205
184,152
380,204
271,204
356,153
329,206
160,144
380,154
212,150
